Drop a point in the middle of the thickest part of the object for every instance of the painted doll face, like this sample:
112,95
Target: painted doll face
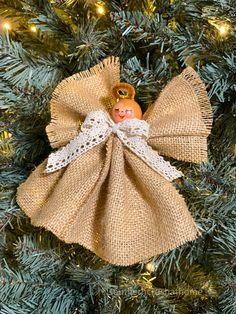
125,109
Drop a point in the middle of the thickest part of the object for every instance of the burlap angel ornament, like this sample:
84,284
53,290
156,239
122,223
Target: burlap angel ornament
107,187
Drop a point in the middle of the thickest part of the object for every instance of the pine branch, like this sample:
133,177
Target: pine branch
138,292
22,291
148,77
36,260
223,251
220,76
90,45
50,24
22,69
227,300
13,9
138,26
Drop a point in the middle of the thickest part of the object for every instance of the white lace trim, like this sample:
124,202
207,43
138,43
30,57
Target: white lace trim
96,128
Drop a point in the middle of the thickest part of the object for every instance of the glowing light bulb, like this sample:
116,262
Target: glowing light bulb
100,9
223,29
9,135
7,26
150,267
33,29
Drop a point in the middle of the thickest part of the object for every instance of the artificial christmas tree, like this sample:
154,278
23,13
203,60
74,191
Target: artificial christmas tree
43,42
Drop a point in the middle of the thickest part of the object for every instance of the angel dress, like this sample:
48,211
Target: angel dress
108,199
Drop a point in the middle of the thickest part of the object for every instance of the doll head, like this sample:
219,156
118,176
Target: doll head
126,107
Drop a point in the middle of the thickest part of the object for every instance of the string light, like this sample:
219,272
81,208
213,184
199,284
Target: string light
150,267
223,29
172,24
7,26
6,147
33,29
100,8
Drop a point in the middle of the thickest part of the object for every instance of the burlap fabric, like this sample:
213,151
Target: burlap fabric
109,200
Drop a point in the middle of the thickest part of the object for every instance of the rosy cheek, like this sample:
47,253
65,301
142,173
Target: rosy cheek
129,114
115,113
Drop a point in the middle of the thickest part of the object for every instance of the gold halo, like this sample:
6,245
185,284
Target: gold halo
123,87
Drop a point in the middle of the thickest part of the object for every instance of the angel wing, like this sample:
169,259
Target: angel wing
79,94
181,119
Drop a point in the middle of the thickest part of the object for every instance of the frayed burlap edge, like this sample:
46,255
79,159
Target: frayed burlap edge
109,64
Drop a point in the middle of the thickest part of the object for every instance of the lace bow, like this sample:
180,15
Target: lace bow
96,128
